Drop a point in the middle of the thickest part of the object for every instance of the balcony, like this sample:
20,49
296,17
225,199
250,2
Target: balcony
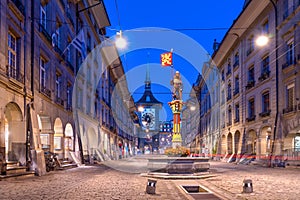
236,91
69,108
264,75
46,91
289,109
236,64
250,84
250,118
59,101
236,120
229,123
228,72
43,30
229,98
15,74
265,113
289,62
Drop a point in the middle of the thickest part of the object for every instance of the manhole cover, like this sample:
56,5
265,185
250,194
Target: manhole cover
199,192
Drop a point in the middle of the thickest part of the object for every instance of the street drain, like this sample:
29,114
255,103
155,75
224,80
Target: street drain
199,192
194,189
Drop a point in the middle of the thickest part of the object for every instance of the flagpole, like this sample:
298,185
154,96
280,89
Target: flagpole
172,67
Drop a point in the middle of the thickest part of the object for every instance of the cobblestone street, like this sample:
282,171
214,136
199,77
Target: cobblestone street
101,182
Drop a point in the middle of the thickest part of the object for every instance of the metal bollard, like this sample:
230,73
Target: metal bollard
151,184
247,186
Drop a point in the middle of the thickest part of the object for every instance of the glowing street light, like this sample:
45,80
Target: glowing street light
141,109
121,43
262,40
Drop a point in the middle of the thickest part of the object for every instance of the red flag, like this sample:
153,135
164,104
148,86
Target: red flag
166,59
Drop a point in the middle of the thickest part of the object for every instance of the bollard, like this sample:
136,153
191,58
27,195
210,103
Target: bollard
150,189
247,186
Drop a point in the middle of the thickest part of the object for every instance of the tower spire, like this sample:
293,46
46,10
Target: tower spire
147,81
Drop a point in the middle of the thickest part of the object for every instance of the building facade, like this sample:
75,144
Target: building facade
258,92
39,65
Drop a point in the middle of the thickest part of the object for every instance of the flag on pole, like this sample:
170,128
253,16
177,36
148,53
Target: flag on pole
79,43
166,59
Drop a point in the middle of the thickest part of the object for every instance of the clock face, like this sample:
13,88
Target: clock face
148,118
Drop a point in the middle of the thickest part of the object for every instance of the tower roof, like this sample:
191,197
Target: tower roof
148,97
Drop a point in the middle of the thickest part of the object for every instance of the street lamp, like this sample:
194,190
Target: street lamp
262,40
120,42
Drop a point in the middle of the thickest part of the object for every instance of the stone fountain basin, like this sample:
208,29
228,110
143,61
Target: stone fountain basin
178,165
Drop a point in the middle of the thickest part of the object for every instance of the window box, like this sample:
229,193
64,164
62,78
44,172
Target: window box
289,109
46,92
251,118
264,75
250,84
236,91
265,113
59,101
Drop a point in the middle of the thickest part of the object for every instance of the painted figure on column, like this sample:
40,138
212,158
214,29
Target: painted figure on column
177,86
176,106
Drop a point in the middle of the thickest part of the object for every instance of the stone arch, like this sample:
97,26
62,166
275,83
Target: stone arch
229,143
265,140
14,133
237,137
251,142
69,139
58,136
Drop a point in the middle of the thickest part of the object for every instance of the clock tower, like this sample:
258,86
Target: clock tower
149,118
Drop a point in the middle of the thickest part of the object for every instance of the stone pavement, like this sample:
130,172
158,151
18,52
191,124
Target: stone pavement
102,182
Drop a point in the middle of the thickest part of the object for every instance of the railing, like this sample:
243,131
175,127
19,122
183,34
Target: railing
228,72
251,118
46,92
236,64
69,107
289,109
19,5
265,113
43,30
236,120
236,91
14,73
59,101
229,123
229,98
264,75
250,84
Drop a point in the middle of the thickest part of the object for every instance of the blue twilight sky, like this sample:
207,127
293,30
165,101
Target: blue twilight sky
198,20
